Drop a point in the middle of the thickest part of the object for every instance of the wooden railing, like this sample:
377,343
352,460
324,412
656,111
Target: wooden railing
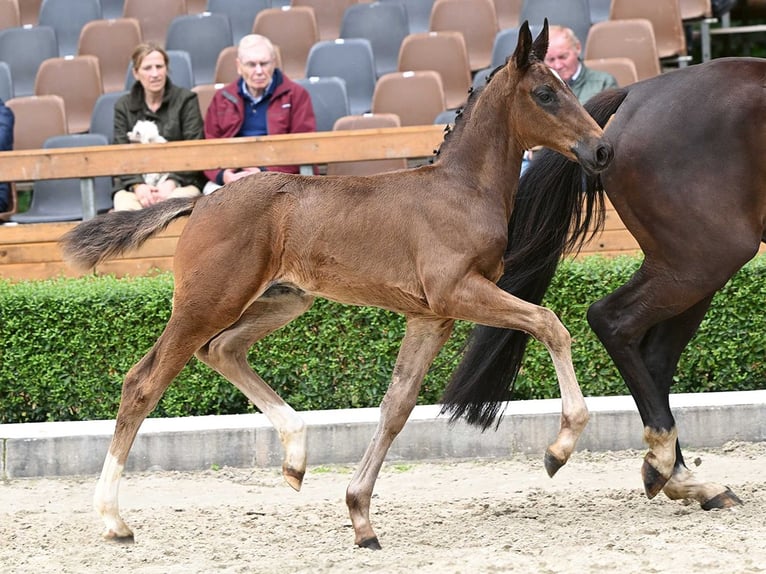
30,251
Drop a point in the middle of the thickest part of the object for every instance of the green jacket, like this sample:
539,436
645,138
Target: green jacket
591,82
178,119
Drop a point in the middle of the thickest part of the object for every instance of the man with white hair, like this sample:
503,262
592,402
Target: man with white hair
263,100
563,55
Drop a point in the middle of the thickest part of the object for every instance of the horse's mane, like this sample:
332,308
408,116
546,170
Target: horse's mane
452,132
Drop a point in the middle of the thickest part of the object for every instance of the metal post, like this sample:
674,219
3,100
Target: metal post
88,194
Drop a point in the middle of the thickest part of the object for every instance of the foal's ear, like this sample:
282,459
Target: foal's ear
523,46
540,45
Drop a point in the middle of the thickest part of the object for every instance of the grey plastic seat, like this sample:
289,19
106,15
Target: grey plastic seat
505,43
179,70
384,24
241,14
328,98
61,199
67,18
574,14
112,8
203,36
24,49
102,118
446,117
350,59
418,13
6,82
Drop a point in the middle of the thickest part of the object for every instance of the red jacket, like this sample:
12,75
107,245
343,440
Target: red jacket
289,111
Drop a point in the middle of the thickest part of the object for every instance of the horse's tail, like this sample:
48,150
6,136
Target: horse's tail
112,234
558,208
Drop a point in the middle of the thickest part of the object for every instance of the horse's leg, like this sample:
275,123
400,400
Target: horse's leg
227,354
142,389
422,341
478,300
622,321
661,350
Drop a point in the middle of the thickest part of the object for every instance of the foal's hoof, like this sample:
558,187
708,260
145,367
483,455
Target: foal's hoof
117,539
726,499
552,463
653,480
293,477
371,543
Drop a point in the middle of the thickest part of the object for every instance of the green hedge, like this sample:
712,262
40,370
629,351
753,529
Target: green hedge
67,343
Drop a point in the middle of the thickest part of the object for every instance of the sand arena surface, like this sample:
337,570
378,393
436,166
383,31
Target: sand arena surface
455,516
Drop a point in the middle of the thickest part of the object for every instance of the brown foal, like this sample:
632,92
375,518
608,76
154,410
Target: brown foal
426,242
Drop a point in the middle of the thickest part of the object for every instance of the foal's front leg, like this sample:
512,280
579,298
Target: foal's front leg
422,341
478,300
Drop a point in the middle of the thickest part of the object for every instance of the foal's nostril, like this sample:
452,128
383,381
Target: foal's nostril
604,154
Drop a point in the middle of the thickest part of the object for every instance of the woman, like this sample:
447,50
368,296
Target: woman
176,113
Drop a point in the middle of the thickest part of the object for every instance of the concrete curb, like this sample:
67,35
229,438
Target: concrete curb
341,436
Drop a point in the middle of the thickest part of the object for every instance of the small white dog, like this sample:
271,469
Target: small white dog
146,131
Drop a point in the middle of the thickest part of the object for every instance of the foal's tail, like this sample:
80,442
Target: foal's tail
112,234
558,208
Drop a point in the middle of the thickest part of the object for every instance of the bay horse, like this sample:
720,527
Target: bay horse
689,183
427,243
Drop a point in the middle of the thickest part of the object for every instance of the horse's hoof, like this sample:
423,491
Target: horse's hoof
653,480
552,463
727,499
293,477
371,543
117,539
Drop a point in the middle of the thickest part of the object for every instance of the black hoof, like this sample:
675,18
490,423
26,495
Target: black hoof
726,499
371,543
653,480
552,464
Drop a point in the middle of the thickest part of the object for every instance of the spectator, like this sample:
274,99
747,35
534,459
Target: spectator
263,100
563,55
6,144
174,110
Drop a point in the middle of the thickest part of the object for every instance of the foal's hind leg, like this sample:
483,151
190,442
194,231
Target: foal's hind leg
227,354
422,341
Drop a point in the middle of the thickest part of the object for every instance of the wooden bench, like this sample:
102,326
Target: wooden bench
31,252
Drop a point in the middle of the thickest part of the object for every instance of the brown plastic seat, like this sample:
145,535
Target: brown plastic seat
154,16
112,42
77,79
329,15
205,93
695,9
367,167
632,39
623,69
294,30
666,22
476,20
10,16
29,11
196,6
443,52
36,119
508,12
417,97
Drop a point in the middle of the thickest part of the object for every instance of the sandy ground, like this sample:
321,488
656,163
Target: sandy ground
456,516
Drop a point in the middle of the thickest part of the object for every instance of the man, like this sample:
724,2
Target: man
262,101
564,56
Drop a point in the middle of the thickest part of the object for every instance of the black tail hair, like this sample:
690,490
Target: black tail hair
558,208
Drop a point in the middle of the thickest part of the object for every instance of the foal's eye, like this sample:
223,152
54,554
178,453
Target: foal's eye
544,95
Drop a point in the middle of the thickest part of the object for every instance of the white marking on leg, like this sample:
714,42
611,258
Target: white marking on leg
105,499
662,450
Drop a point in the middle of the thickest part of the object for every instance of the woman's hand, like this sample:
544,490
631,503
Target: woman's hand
230,175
